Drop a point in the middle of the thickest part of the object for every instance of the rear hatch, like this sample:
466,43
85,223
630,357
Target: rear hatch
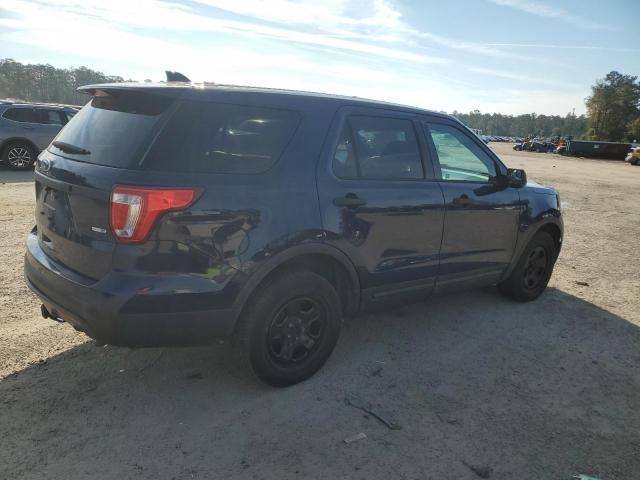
75,175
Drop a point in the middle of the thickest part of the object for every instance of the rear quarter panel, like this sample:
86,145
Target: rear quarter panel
241,220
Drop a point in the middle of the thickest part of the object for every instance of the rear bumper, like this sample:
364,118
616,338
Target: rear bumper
131,309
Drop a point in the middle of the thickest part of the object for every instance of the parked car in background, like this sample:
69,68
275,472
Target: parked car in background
26,129
633,157
561,149
517,147
537,146
173,215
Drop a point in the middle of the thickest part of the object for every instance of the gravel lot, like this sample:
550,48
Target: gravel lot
544,390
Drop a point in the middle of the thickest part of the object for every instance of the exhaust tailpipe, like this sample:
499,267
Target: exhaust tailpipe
47,314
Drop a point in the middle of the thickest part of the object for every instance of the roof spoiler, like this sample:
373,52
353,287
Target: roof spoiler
176,77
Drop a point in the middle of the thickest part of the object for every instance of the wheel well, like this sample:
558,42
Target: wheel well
553,230
9,141
327,267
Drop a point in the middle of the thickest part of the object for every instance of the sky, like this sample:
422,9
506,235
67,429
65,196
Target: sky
507,56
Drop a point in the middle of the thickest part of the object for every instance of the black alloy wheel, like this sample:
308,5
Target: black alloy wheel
296,331
535,268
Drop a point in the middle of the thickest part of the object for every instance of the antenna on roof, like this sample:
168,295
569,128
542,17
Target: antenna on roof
176,77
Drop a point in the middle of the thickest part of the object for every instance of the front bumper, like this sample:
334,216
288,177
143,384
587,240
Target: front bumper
130,309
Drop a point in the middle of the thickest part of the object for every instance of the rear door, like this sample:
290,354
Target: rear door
27,122
377,203
49,123
103,141
481,220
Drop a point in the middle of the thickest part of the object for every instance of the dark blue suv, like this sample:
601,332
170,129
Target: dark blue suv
174,214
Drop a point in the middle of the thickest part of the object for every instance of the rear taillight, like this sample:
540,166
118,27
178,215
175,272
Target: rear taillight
134,210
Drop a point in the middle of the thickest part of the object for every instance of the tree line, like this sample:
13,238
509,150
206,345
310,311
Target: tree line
525,125
613,114
46,83
613,108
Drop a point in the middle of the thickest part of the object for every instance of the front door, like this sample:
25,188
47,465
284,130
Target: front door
482,214
377,203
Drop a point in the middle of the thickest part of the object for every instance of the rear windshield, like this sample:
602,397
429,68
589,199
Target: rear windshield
221,138
116,128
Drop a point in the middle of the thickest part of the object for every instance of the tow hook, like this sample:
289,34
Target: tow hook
47,314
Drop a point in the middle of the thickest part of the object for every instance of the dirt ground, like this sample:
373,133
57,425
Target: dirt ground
481,387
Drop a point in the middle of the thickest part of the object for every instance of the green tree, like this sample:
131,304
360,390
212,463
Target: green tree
614,103
524,125
45,83
633,130
590,135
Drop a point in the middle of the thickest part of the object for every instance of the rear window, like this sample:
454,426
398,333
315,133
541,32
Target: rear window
116,127
222,138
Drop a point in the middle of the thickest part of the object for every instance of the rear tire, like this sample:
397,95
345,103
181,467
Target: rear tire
19,156
289,328
533,270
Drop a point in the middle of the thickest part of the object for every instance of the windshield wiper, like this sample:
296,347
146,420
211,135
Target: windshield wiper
69,148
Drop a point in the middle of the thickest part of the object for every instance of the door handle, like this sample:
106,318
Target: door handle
349,200
462,201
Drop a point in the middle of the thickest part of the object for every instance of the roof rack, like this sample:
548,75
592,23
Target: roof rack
36,104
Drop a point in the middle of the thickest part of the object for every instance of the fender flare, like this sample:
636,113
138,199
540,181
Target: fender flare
526,238
314,248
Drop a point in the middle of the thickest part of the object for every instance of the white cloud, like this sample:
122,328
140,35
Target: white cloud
549,11
376,21
163,16
563,47
519,77
376,54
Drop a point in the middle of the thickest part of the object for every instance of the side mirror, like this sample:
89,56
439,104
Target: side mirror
517,177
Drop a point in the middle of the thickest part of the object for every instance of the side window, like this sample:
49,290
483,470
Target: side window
11,114
378,148
459,156
68,115
18,115
245,139
219,138
32,115
51,117
344,158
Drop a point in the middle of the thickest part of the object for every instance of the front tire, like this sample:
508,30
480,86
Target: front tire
533,271
289,328
19,156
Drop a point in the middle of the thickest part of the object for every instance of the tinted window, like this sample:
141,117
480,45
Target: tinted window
25,115
116,128
344,158
221,138
459,156
68,115
51,117
377,148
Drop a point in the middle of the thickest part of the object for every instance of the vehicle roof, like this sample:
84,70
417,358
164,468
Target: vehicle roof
170,88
